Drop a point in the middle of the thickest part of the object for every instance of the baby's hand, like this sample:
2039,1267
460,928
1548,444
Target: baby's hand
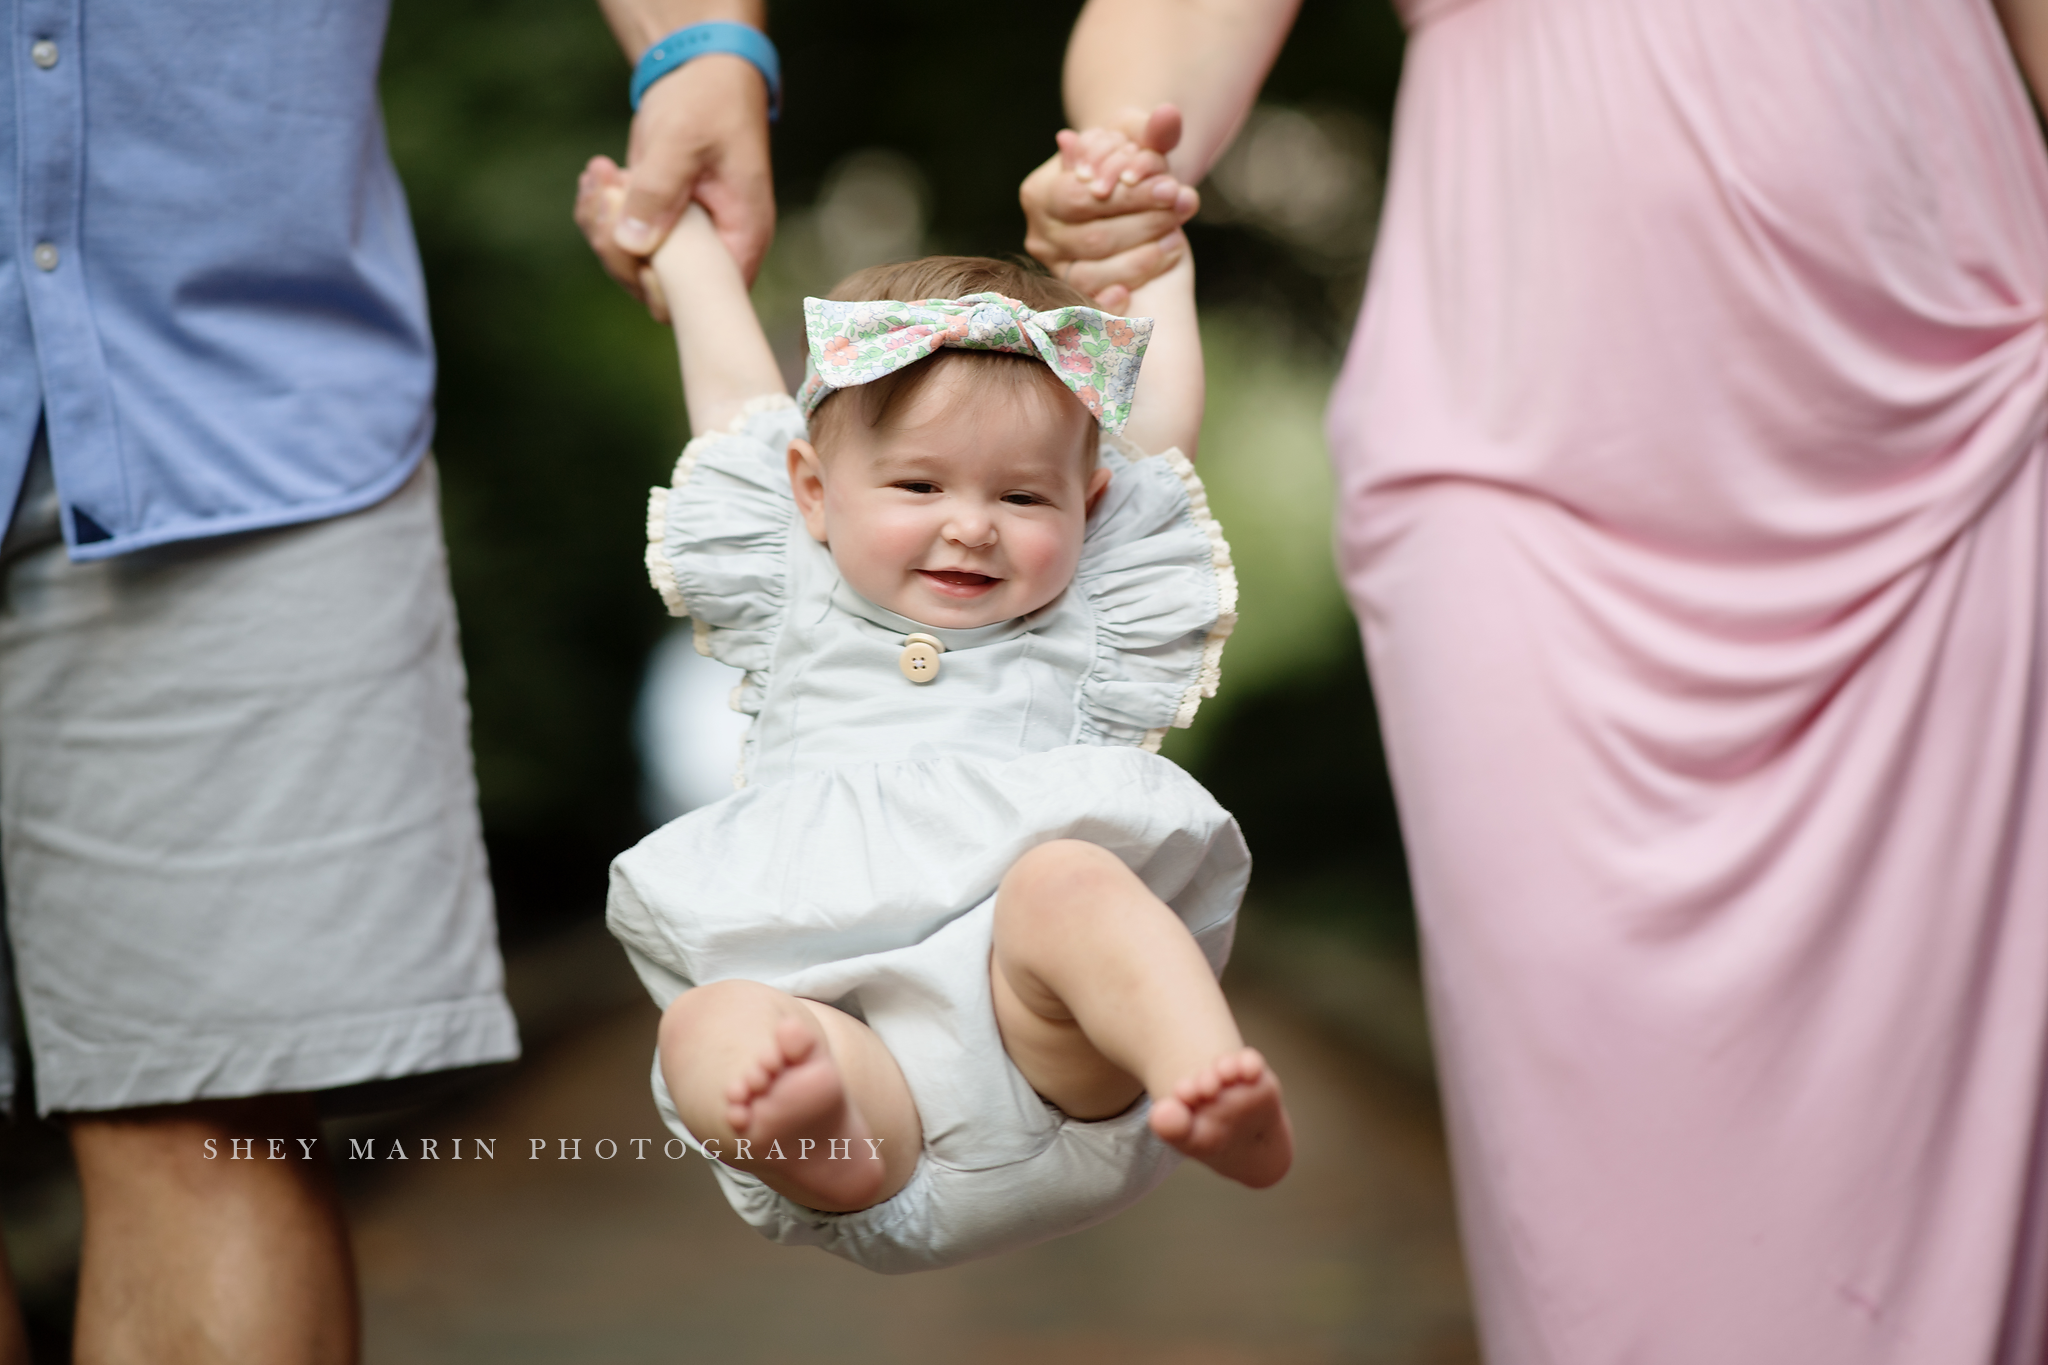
1127,153
600,202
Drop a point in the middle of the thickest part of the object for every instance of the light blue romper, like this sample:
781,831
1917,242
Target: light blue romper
858,863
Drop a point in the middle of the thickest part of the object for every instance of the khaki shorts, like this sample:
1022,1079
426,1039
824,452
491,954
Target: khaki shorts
237,816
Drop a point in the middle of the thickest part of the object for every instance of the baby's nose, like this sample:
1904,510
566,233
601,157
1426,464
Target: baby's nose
971,532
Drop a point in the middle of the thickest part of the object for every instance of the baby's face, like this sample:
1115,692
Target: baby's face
967,512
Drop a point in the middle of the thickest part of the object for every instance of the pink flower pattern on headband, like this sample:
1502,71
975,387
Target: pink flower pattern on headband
1094,354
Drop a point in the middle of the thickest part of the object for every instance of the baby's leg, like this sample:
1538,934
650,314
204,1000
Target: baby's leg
800,1094
1102,994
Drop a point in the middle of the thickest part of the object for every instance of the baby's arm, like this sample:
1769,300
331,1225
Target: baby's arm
725,357
1167,412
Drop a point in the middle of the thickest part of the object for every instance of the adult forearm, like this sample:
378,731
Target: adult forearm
2026,26
640,24
1207,56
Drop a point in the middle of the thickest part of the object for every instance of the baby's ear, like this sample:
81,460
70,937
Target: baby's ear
1098,484
807,485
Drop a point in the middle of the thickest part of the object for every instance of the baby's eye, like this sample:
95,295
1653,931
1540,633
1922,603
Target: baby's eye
917,486
1023,499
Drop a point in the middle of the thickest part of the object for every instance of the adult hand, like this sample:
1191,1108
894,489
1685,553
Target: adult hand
1104,213
701,133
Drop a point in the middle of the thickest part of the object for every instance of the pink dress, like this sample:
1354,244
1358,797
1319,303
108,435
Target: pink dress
1695,504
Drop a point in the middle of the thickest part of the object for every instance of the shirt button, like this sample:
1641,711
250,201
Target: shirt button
45,256
920,661
44,54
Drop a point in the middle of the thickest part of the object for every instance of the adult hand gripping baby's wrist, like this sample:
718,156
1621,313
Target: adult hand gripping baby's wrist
1104,244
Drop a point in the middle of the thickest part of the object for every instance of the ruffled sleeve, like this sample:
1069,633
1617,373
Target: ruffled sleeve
718,538
1156,573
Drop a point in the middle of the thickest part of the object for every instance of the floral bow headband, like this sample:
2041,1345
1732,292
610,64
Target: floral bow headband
1094,354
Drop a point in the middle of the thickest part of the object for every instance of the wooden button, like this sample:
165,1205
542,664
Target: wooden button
920,661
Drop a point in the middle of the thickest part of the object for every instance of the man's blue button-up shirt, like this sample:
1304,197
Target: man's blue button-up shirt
208,283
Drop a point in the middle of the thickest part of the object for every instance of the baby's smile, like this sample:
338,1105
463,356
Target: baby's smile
958,582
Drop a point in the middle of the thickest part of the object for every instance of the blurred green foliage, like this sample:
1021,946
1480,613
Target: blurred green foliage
559,407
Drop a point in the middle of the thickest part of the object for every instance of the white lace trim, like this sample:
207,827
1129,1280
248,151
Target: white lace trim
760,403
659,571
1211,674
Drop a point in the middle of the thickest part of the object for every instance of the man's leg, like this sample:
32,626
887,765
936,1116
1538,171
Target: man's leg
242,853
13,1336
191,1259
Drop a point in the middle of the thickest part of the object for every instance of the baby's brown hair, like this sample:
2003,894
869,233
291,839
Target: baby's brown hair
878,403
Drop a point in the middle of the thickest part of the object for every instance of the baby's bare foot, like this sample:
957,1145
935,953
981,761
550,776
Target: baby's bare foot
792,1101
1228,1116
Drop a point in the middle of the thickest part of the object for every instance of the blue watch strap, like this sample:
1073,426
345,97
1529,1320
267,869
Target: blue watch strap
698,40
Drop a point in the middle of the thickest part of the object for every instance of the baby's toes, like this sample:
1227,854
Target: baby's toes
793,1042
1172,1119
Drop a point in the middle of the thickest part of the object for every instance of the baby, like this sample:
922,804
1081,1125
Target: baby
940,979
